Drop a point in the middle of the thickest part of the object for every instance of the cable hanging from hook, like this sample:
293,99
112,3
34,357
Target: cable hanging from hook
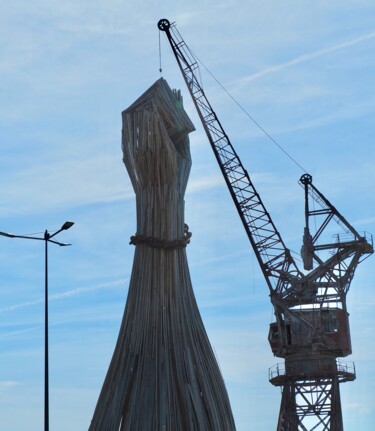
160,67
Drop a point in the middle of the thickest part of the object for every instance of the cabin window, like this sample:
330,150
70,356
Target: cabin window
274,331
330,322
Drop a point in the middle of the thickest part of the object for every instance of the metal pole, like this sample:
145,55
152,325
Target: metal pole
46,238
46,382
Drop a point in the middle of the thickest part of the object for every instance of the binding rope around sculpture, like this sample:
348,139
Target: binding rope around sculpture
162,243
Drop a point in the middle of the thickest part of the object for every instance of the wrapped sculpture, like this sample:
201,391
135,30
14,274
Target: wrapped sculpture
163,374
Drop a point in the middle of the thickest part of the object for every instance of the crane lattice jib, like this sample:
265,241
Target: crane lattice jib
326,208
275,260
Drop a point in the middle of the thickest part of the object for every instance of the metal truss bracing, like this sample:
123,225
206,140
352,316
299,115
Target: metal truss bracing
274,258
285,281
330,278
311,405
312,327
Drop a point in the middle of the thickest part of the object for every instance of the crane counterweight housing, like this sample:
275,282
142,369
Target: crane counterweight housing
311,328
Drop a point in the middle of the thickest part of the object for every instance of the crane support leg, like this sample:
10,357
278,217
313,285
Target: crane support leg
312,404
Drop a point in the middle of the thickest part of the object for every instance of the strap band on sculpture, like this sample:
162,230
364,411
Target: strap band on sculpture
162,243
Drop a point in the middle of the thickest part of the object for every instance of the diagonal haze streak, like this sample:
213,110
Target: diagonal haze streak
307,57
65,294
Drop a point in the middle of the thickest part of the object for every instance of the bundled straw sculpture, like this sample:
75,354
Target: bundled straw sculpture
163,375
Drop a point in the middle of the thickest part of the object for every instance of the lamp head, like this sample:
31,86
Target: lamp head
9,235
67,225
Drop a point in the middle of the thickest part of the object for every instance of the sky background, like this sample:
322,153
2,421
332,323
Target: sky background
304,70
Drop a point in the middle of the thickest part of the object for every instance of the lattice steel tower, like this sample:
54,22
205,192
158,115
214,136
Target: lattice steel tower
311,327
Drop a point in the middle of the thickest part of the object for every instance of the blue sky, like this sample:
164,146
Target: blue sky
304,70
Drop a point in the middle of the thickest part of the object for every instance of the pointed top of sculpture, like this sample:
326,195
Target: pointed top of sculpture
168,103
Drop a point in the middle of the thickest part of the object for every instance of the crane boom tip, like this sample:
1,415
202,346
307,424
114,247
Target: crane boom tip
164,24
306,179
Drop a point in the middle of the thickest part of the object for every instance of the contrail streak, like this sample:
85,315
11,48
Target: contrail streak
307,57
66,294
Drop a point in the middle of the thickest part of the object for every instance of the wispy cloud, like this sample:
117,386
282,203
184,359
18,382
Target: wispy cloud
203,183
360,408
306,57
66,294
21,331
7,384
88,181
364,221
345,112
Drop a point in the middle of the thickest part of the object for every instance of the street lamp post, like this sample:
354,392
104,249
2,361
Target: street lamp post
46,238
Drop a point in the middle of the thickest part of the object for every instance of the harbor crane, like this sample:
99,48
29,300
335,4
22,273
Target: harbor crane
311,328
